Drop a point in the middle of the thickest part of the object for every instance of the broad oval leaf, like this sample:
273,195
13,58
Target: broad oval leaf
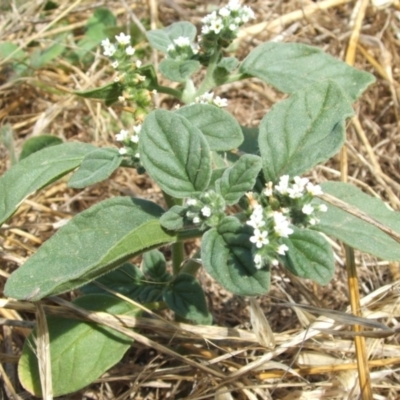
80,351
309,256
185,296
155,266
36,143
221,130
174,218
175,153
160,39
239,178
96,166
292,66
178,71
37,171
303,130
91,244
227,256
355,232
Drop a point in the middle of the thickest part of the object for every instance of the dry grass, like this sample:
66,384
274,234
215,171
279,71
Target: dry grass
316,354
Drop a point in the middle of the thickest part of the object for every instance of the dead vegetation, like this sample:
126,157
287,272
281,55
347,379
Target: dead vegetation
316,354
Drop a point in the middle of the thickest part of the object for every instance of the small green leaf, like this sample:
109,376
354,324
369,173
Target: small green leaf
36,143
309,256
226,252
293,66
125,280
96,166
37,171
42,57
160,39
178,71
80,351
303,130
94,242
109,93
175,153
155,266
221,130
250,142
228,64
185,296
239,178
355,232
174,218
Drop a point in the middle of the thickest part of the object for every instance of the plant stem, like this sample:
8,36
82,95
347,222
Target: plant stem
209,82
167,90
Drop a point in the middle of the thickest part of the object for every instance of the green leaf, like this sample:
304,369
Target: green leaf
309,256
36,143
224,68
91,244
239,178
109,93
174,218
221,130
355,232
155,266
303,130
185,296
42,57
250,142
37,171
96,166
227,256
80,351
18,57
160,39
125,280
292,66
178,71
175,153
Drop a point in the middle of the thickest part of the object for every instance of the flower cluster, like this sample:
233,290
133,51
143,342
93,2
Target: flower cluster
182,49
130,141
296,197
208,209
134,84
275,210
221,27
209,98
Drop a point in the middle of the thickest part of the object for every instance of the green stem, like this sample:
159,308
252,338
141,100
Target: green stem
167,90
209,82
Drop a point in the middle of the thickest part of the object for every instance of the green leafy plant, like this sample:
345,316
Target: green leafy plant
237,188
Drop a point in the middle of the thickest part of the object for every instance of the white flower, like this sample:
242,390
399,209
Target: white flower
130,51
258,261
121,99
122,135
282,249
137,155
106,43
220,102
123,39
233,27
137,129
322,208
297,190
256,218
307,209
234,5
216,26
224,12
282,186
138,63
109,50
269,187
275,262
141,78
315,190
205,98
281,225
191,202
182,41
115,64
314,221
196,220
135,138
260,238
205,29
206,211
170,47
122,151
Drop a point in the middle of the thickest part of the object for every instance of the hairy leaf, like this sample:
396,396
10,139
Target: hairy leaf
293,66
96,166
355,232
227,256
304,130
80,351
37,171
91,244
178,71
221,130
175,153
36,143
